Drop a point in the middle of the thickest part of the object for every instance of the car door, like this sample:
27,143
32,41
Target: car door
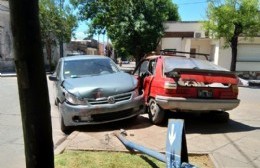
139,74
145,74
149,78
57,83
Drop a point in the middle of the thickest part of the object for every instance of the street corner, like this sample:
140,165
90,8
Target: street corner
63,143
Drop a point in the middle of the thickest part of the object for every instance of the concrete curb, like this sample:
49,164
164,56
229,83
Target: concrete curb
62,146
14,74
8,75
215,163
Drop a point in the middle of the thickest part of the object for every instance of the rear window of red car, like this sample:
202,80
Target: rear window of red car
171,63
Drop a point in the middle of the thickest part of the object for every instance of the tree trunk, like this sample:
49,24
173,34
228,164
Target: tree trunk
234,54
234,41
32,84
138,56
61,49
48,50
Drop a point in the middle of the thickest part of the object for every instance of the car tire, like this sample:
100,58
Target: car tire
155,112
221,116
56,102
65,129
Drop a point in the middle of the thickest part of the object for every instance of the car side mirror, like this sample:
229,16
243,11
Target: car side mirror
53,78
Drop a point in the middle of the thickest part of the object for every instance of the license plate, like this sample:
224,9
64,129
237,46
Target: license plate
205,94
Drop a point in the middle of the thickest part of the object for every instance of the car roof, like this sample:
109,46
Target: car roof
83,57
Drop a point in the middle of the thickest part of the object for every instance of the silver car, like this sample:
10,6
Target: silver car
92,90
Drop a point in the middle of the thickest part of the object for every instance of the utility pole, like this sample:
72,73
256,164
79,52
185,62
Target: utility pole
32,84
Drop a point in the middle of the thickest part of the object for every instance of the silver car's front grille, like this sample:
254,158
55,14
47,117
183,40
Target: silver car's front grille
111,99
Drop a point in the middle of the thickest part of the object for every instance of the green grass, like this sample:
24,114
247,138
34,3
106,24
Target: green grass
88,159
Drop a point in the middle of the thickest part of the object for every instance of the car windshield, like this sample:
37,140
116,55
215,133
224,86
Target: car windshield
88,67
171,63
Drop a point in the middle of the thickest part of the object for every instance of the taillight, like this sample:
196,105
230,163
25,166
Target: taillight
170,85
235,89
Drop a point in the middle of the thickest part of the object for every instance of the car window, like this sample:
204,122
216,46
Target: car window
171,63
79,68
143,68
152,66
57,70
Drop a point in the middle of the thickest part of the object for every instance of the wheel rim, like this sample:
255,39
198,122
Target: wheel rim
153,108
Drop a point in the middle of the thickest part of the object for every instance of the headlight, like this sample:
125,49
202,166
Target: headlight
74,100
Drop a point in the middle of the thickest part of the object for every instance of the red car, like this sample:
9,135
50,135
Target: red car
172,81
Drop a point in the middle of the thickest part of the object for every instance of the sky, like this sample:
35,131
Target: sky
189,10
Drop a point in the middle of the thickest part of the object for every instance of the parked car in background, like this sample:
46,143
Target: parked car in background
92,90
171,81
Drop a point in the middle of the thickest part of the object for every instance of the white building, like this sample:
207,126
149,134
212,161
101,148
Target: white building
191,37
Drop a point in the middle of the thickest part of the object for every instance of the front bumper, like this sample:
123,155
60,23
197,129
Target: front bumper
180,103
75,115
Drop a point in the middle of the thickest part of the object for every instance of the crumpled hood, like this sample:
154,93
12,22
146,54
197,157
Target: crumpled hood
104,85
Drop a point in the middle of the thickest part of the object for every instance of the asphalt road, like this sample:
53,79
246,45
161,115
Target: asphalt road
11,134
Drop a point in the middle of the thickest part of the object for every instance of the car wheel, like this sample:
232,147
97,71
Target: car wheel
221,116
65,129
155,112
56,102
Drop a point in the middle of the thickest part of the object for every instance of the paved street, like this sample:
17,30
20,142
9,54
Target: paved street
11,135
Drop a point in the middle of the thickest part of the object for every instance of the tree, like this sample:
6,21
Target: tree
57,24
32,84
231,20
133,26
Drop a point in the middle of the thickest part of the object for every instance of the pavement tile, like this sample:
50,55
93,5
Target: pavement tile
247,147
192,135
207,143
83,141
225,161
235,152
156,143
256,162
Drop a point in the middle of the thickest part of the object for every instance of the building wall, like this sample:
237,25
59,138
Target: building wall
182,36
6,48
201,45
171,43
184,27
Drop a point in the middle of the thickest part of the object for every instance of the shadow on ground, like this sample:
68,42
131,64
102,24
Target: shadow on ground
133,123
207,125
193,124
